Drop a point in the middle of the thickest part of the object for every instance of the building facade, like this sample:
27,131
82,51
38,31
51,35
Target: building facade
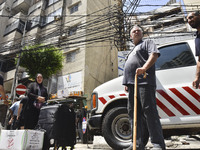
165,24
81,28
191,5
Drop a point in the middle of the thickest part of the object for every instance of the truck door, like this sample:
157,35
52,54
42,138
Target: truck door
177,101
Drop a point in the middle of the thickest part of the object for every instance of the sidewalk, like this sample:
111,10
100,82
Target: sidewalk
174,143
98,144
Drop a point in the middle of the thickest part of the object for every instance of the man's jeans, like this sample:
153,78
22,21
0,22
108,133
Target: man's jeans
3,113
148,122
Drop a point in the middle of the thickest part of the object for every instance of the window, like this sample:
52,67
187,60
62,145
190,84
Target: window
51,16
16,25
50,2
73,9
71,56
7,65
43,20
12,24
72,30
21,26
34,10
35,21
174,56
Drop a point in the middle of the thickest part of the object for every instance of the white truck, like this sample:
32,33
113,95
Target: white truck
178,103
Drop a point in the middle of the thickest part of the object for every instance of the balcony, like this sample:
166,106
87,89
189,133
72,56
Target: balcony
16,25
12,35
36,7
19,5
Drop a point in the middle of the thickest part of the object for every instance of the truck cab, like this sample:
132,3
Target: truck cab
178,103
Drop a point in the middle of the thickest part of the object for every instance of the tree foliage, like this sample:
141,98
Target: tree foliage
41,59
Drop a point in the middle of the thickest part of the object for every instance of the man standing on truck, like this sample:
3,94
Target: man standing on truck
140,60
194,21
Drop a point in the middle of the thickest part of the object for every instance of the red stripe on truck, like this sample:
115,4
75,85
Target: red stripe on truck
193,93
173,102
164,108
111,96
185,100
102,100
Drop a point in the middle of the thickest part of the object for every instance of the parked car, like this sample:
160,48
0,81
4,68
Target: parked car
178,103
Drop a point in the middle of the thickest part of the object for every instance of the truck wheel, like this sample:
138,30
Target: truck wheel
116,128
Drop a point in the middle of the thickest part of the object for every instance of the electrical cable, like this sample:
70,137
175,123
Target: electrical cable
82,26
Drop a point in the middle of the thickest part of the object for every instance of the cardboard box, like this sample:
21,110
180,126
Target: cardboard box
21,140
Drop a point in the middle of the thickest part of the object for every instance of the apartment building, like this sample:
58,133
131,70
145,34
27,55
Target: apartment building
81,28
191,5
165,24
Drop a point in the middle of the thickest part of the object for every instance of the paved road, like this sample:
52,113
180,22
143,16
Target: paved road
175,143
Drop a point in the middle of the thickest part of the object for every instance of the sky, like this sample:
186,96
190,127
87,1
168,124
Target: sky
152,2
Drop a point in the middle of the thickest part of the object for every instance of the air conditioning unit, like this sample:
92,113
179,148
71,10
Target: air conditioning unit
8,8
63,36
57,18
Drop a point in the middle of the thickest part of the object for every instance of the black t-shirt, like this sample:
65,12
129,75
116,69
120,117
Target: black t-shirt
197,44
24,102
1,80
137,58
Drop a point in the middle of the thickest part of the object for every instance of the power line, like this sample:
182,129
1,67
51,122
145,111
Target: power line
91,15
103,39
110,16
71,21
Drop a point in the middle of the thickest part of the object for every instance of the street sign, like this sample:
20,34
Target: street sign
21,89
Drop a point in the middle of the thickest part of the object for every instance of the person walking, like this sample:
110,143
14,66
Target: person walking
193,19
14,111
3,103
22,111
139,61
37,95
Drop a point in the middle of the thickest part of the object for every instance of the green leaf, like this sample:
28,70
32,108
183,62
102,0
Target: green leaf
41,59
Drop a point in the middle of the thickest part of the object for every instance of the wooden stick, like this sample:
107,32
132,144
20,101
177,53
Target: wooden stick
135,115
135,112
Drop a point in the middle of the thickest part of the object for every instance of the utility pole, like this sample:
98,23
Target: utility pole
125,10
13,93
122,39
